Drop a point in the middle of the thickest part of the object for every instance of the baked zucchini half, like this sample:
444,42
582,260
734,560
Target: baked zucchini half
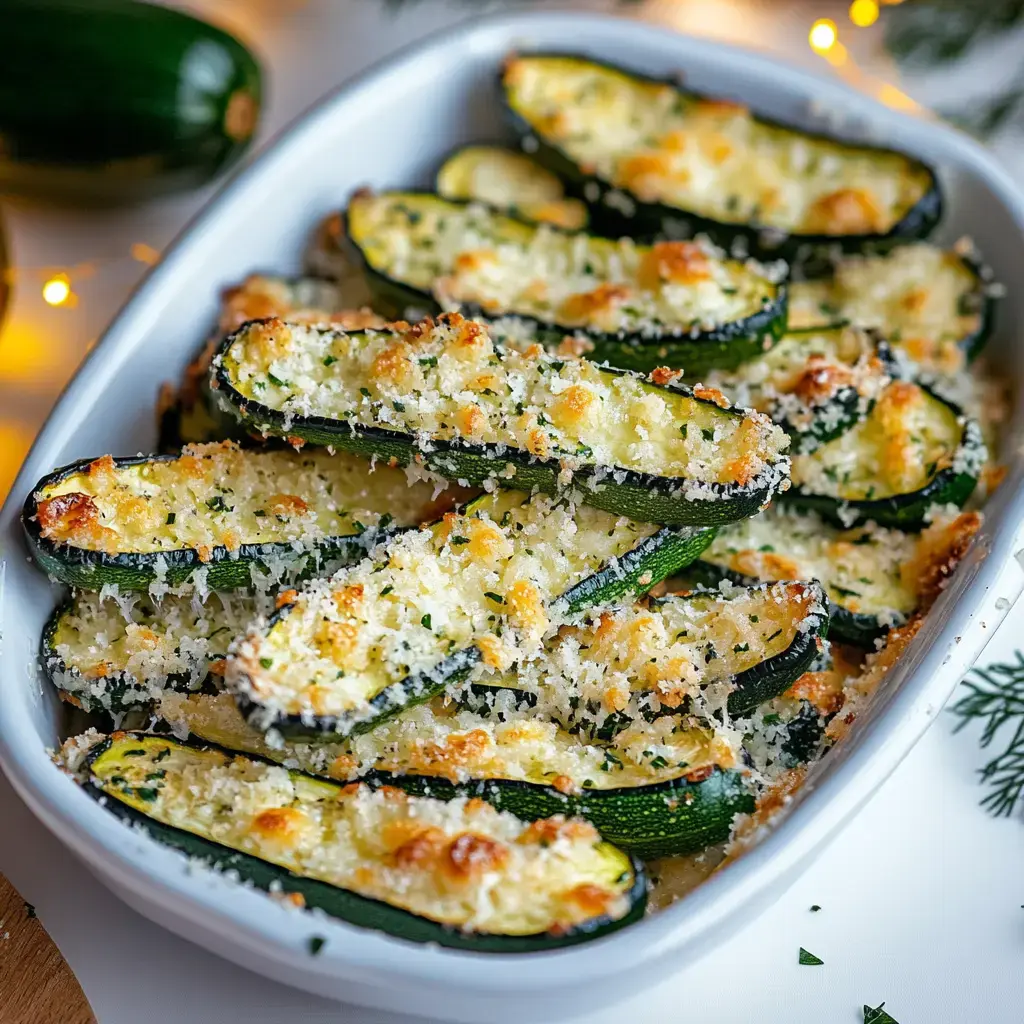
444,395
815,384
875,578
935,305
460,874
102,656
216,515
510,181
653,159
483,585
429,253
699,653
665,787
914,450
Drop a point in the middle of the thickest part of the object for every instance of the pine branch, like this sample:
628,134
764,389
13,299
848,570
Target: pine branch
998,701
940,31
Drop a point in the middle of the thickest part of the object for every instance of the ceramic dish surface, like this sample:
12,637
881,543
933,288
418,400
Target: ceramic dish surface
390,128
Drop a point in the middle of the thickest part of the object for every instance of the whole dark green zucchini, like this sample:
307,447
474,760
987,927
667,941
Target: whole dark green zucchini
113,100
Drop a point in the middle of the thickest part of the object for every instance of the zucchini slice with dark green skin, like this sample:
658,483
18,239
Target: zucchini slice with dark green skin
429,253
511,181
914,450
219,511
480,586
128,100
816,384
875,578
515,891
106,660
443,395
697,653
934,305
661,789
652,159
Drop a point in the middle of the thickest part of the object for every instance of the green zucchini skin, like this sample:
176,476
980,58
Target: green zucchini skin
348,906
640,496
651,561
909,512
226,569
113,100
849,627
725,345
670,818
658,220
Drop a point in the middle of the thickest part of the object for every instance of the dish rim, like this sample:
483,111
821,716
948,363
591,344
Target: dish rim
248,920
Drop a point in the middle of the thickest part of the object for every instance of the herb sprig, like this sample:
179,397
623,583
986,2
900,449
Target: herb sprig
996,697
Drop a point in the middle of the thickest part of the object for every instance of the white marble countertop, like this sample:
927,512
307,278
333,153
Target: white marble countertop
921,895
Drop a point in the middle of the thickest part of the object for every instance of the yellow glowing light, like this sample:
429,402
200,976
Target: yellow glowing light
144,253
823,35
864,13
837,55
57,290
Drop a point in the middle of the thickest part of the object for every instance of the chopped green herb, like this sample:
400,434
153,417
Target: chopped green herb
315,944
773,636
876,1015
428,361
260,513
425,621
809,959
165,753
771,719
496,598
457,540
266,662
216,504
815,908
707,433
386,590
330,360
365,392
740,648
276,380
147,793
171,516
659,762
398,406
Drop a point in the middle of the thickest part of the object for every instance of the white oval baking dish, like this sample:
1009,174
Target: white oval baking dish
389,128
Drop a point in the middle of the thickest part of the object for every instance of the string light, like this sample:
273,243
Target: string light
57,290
864,13
823,35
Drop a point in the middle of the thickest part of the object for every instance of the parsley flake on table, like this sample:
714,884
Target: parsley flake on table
809,959
876,1015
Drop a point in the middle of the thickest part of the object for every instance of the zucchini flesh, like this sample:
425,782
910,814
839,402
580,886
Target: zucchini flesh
483,585
648,155
219,511
443,394
664,787
109,658
420,249
509,181
461,873
815,384
875,578
700,653
935,305
913,450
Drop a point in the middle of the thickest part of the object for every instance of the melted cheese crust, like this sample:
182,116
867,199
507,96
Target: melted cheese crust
485,578
448,381
145,643
510,181
445,741
461,863
922,299
799,376
218,495
682,653
473,254
706,156
898,448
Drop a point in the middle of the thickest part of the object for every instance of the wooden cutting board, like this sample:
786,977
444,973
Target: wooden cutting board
36,984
